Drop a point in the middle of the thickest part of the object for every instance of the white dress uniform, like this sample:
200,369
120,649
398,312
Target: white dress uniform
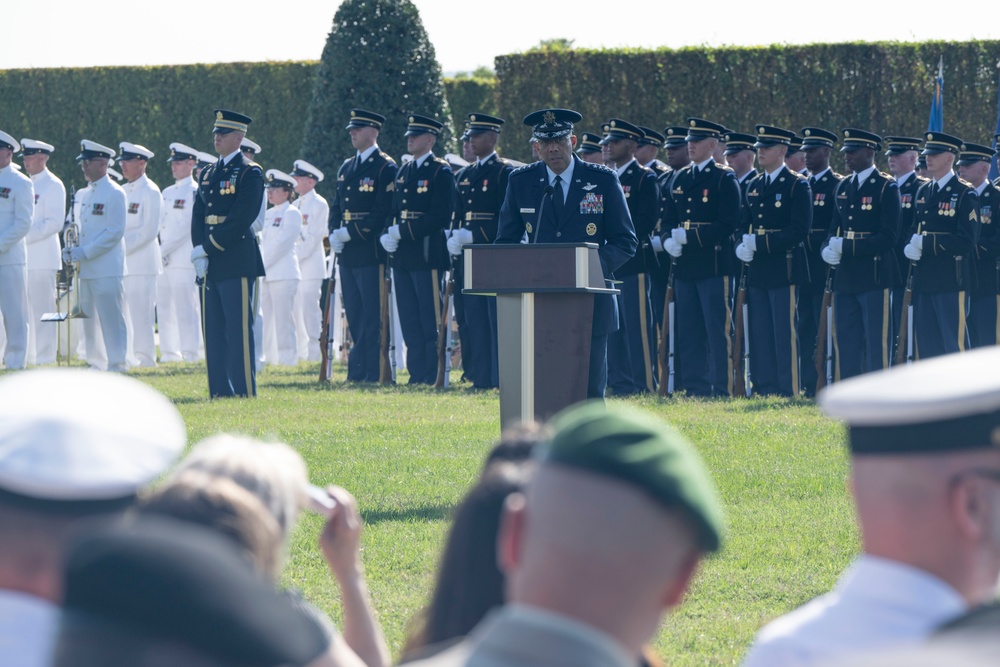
878,604
312,265
176,292
17,205
43,264
28,629
282,225
102,269
142,265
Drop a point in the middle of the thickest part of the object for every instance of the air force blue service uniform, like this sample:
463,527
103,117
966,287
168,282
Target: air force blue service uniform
908,186
361,210
481,189
700,214
593,210
228,202
863,233
823,186
423,205
777,217
982,319
632,349
947,228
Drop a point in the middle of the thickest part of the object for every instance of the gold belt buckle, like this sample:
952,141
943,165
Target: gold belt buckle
468,215
687,224
347,216
850,235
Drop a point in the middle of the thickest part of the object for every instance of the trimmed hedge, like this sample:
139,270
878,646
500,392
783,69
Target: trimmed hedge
155,106
472,95
882,87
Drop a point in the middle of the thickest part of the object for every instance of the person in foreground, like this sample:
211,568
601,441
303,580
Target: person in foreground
574,599
925,472
75,447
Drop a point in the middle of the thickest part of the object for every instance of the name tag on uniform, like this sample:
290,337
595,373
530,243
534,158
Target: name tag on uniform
179,203
527,210
133,208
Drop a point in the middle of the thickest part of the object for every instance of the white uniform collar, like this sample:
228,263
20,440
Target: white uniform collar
480,163
900,586
419,162
703,165
902,179
944,180
621,170
982,186
227,159
816,177
863,175
367,153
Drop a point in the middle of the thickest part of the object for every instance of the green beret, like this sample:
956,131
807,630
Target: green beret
643,451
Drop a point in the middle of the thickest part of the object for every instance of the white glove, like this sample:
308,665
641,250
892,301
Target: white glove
390,244
917,241
342,233
257,226
198,251
656,242
336,246
830,256
679,235
394,233
454,246
750,241
837,244
744,253
72,255
463,235
912,252
200,266
671,247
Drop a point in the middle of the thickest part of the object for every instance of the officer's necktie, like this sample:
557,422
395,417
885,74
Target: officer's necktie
355,164
557,196
934,189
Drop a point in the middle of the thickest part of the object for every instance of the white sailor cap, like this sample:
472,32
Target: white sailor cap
33,146
115,174
7,141
252,146
74,435
279,179
938,405
181,152
91,149
455,160
131,151
303,168
207,158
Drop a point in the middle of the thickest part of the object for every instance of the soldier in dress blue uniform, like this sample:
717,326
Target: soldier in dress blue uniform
675,145
632,349
227,259
700,214
795,159
590,148
481,188
740,156
648,149
974,167
361,209
947,229
817,144
422,208
901,154
862,233
777,217
563,199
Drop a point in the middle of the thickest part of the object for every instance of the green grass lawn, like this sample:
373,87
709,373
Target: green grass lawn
409,455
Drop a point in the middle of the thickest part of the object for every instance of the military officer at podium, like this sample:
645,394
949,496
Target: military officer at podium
481,187
423,205
361,209
563,199
226,258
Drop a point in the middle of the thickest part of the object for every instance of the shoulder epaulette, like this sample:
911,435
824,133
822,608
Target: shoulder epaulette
387,157
596,167
524,167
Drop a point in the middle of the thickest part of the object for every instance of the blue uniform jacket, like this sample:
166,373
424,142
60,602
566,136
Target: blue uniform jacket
233,192
642,194
481,189
363,204
868,221
988,247
949,222
595,212
708,206
780,215
423,204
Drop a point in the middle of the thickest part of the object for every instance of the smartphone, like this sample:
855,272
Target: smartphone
320,501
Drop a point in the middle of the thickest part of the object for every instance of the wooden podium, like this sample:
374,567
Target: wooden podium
545,311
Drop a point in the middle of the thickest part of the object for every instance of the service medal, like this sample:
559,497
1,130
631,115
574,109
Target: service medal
527,227
591,229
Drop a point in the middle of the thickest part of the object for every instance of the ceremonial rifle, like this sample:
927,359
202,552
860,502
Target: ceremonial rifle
903,341
326,336
823,338
741,341
665,355
387,351
444,331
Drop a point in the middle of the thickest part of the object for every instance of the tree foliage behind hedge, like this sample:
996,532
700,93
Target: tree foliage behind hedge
155,106
883,87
